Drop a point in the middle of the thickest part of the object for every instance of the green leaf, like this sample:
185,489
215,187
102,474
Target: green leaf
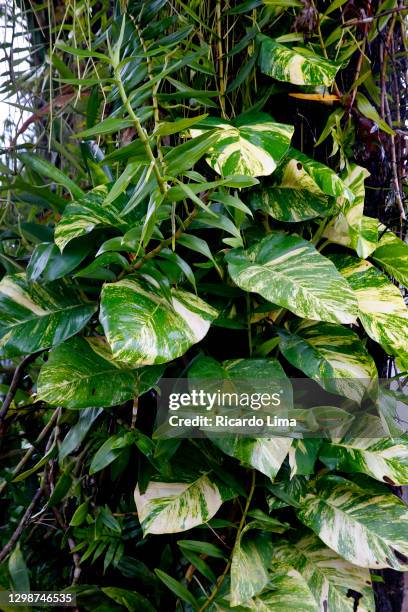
36,317
81,373
196,244
166,128
131,600
18,571
177,588
79,515
78,432
251,557
109,451
171,507
107,126
202,548
82,52
289,271
186,155
297,65
351,227
266,375
98,268
392,255
143,328
368,110
48,262
82,217
383,312
366,525
122,182
329,577
251,145
44,168
332,355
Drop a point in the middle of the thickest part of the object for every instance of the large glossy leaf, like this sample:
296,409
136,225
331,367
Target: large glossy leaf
251,558
81,373
84,215
362,450
365,524
332,355
351,227
289,271
297,65
329,577
263,454
302,189
392,255
251,145
143,327
171,507
383,312
35,316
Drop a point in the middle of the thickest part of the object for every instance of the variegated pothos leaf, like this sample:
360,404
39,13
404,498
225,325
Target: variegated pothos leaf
252,145
392,255
365,524
351,227
302,189
81,373
84,215
295,65
383,312
171,507
329,577
288,271
251,558
365,449
36,316
144,328
332,355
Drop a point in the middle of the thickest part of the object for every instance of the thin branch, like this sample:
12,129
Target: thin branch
353,22
227,567
20,528
18,373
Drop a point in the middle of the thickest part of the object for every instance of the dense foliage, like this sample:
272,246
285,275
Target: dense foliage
190,199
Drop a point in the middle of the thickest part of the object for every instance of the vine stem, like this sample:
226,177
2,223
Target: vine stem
221,82
162,245
155,102
141,133
227,567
